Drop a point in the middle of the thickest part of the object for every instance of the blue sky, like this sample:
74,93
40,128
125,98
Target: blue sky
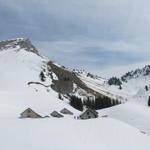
97,35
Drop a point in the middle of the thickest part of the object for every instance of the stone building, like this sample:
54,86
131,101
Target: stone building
29,113
88,114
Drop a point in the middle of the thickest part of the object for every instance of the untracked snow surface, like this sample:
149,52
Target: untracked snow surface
68,134
132,113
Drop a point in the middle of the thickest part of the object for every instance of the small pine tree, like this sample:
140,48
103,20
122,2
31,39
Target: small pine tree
59,96
149,101
120,87
146,87
42,76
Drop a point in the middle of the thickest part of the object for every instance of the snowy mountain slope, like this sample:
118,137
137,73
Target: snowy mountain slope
100,86
21,86
19,67
20,70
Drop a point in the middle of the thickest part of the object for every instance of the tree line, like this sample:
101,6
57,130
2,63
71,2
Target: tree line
98,103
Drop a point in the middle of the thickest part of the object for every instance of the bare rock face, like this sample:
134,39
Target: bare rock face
64,84
64,87
66,79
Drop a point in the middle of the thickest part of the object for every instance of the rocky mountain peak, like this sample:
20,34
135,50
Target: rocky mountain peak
19,43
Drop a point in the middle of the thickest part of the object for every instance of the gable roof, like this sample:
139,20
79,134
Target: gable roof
29,109
56,114
66,111
91,110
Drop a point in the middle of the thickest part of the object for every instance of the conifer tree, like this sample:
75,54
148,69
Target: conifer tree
149,101
42,76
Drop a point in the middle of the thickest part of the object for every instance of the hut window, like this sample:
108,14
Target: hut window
87,113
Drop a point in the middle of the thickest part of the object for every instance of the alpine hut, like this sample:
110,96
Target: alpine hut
88,114
29,113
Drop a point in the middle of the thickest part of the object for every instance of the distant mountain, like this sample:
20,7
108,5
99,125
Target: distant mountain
145,71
